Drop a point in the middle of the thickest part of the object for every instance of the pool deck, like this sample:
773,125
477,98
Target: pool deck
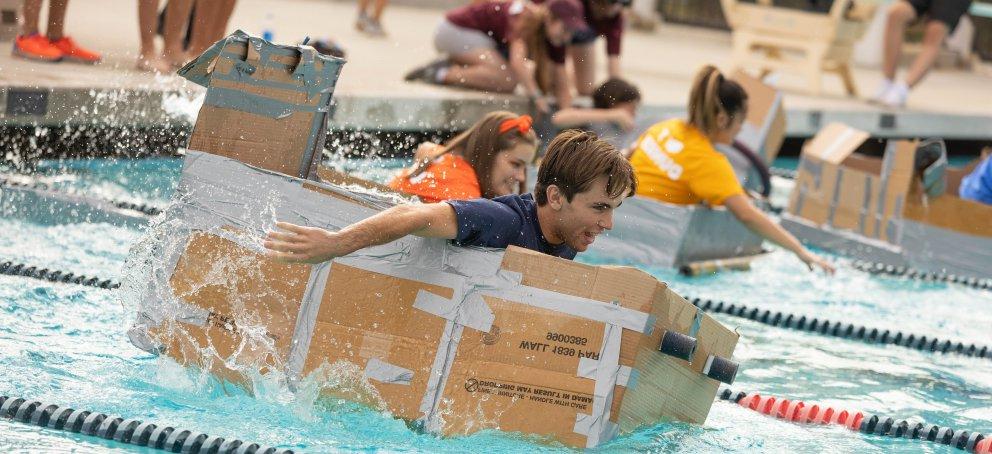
372,95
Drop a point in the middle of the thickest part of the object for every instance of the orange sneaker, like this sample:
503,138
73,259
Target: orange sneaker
36,47
72,51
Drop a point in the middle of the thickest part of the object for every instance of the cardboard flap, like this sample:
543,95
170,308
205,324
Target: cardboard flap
764,128
835,142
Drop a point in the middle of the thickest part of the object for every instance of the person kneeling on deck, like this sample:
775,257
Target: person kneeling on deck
676,162
581,181
488,160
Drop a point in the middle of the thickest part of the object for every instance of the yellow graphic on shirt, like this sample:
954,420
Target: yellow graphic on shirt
676,163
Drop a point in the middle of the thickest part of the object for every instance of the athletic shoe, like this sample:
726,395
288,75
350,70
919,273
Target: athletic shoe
374,28
896,96
73,52
883,88
36,47
428,72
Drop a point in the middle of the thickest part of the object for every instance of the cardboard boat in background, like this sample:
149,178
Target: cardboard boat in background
896,210
457,339
699,239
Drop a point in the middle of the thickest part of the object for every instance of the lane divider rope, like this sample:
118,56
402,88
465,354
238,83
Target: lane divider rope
127,431
803,413
19,269
842,330
902,271
38,186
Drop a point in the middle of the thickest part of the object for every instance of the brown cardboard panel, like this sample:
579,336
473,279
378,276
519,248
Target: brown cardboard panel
871,209
952,213
850,200
383,309
666,388
343,179
761,109
268,143
863,163
485,395
835,142
816,206
337,195
244,293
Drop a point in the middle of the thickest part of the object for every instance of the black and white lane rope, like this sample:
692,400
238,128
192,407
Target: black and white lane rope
128,431
142,208
842,330
902,271
803,413
8,268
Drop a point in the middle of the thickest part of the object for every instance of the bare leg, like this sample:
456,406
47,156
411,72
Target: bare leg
584,60
32,12
149,59
222,19
363,7
203,26
56,19
933,37
483,69
613,66
901,13
176,19
380,5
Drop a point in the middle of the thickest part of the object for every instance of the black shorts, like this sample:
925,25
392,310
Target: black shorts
946,11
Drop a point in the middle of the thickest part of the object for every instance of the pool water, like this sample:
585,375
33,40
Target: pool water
66,344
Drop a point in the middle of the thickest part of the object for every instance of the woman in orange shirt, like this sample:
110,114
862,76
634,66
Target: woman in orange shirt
676,162
488,160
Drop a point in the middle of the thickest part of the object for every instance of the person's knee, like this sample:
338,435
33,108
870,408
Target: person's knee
901,12
585,89
934,33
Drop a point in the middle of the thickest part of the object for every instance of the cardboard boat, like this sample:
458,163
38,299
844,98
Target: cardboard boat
887,210
457,339
699,239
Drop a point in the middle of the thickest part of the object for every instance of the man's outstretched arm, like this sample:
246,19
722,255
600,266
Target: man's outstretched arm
300,244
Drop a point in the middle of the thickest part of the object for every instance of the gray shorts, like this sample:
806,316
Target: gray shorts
451,39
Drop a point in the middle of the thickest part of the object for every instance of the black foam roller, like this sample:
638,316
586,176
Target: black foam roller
92,423
59,417
143,433
42,415
125,430
721,369
176,439
24,411
677,345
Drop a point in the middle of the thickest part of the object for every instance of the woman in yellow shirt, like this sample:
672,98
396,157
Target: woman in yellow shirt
675,160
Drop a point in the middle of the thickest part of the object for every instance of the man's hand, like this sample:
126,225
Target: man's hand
623,119
299,244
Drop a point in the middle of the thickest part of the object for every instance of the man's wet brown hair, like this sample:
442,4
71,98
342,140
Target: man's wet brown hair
575,159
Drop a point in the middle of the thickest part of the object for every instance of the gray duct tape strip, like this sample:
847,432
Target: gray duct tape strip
813,167
246,102
835,196
471,311
596,426
892,229
447,348
503,287
306,321
864,205
381,371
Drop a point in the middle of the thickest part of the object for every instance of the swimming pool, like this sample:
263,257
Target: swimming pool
66,344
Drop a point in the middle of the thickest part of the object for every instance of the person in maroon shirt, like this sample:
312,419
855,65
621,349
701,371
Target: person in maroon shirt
488,45
605,18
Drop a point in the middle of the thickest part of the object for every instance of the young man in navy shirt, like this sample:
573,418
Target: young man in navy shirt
581,181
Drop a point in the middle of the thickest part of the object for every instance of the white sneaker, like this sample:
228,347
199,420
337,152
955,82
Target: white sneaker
896,96
883,88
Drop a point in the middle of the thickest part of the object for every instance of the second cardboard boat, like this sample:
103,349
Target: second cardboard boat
901,210
456,339
698,239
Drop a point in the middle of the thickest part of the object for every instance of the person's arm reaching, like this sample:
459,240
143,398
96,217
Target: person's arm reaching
563,86
755,220
524,75
314,245
575,116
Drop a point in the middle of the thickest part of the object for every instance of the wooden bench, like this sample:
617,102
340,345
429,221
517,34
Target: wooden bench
770,38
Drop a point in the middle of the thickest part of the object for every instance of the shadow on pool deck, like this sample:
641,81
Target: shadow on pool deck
372,95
